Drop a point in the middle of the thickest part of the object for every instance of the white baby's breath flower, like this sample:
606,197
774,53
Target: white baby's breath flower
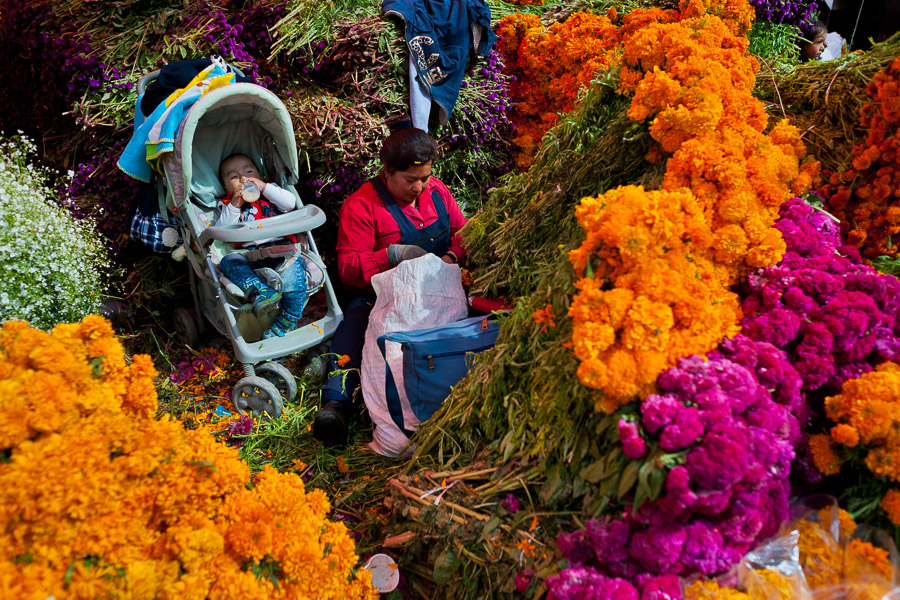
52,267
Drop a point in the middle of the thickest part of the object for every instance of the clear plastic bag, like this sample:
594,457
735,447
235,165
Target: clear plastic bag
822,554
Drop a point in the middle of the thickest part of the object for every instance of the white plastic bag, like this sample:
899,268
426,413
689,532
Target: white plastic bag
416,294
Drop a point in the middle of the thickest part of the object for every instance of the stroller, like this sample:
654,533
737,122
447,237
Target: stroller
248,119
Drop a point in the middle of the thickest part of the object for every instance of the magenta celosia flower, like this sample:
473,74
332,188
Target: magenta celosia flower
685,429
241,427
665,587
633,445
658,549
523,579
511,503
585,583
658,410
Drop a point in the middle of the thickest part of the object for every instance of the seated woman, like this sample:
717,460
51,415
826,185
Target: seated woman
402,213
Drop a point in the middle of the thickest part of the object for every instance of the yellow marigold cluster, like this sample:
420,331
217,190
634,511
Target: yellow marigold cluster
692,81
867,413
648,293
99,499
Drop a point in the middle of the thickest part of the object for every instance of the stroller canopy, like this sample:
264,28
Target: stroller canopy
237,118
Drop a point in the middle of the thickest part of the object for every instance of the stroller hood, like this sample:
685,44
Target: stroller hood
240,117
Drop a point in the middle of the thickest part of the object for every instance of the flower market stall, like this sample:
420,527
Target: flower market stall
694,394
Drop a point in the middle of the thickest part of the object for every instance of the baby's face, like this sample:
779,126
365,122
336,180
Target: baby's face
236,168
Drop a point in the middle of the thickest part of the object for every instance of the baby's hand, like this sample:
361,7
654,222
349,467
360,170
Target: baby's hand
260,184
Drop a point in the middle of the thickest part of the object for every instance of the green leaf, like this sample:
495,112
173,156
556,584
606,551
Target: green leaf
552,484
490,527
444,567
629,477
594,472
657,479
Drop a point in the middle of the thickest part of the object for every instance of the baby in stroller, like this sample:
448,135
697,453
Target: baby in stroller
250,199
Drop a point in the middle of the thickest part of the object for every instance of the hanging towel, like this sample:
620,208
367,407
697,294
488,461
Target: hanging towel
440,34
156,135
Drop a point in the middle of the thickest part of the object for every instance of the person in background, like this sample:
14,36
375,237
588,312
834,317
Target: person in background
401,214
814,43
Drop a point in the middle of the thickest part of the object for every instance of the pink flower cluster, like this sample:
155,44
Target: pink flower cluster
727,429
834,316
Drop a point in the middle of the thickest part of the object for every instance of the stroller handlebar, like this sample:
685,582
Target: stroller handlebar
301,220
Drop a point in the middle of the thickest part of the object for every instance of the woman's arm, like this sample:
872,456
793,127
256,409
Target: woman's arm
358,260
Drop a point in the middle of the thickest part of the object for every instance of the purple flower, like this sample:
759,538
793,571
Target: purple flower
633,445
523,579
584,583
664,587
683,431
704,550
575,547
511,503
658,411
721,459
608,540
658,549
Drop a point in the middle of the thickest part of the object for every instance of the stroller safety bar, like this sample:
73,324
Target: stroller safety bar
299,221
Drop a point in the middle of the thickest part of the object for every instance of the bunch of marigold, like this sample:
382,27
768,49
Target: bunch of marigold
550,65
866,197
648,293
692,82
100,499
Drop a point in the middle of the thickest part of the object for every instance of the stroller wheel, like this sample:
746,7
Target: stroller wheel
279,376
257,397
186,330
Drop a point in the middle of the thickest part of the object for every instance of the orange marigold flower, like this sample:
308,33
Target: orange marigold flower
343,360
890,503
544,318
845,434
823,456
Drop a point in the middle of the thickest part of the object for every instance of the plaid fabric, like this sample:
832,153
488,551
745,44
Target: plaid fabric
149,230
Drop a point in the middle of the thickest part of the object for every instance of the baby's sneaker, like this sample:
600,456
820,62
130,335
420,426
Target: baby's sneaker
281,326
265,299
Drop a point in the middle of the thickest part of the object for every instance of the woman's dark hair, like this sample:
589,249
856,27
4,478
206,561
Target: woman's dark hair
406,147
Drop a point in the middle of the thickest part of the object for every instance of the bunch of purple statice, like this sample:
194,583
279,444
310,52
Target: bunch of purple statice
834,316
221,37
721,435
798,13
51,64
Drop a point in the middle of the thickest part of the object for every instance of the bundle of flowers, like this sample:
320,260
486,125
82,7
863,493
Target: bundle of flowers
100,499
865,197
834,316
52,267
863,440
798,14
708,458
581,46
725,174
648,293
820,553
692,82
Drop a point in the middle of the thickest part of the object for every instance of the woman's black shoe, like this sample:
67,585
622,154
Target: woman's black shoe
330,424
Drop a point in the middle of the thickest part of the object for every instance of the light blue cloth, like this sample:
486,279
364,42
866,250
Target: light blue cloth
155,136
